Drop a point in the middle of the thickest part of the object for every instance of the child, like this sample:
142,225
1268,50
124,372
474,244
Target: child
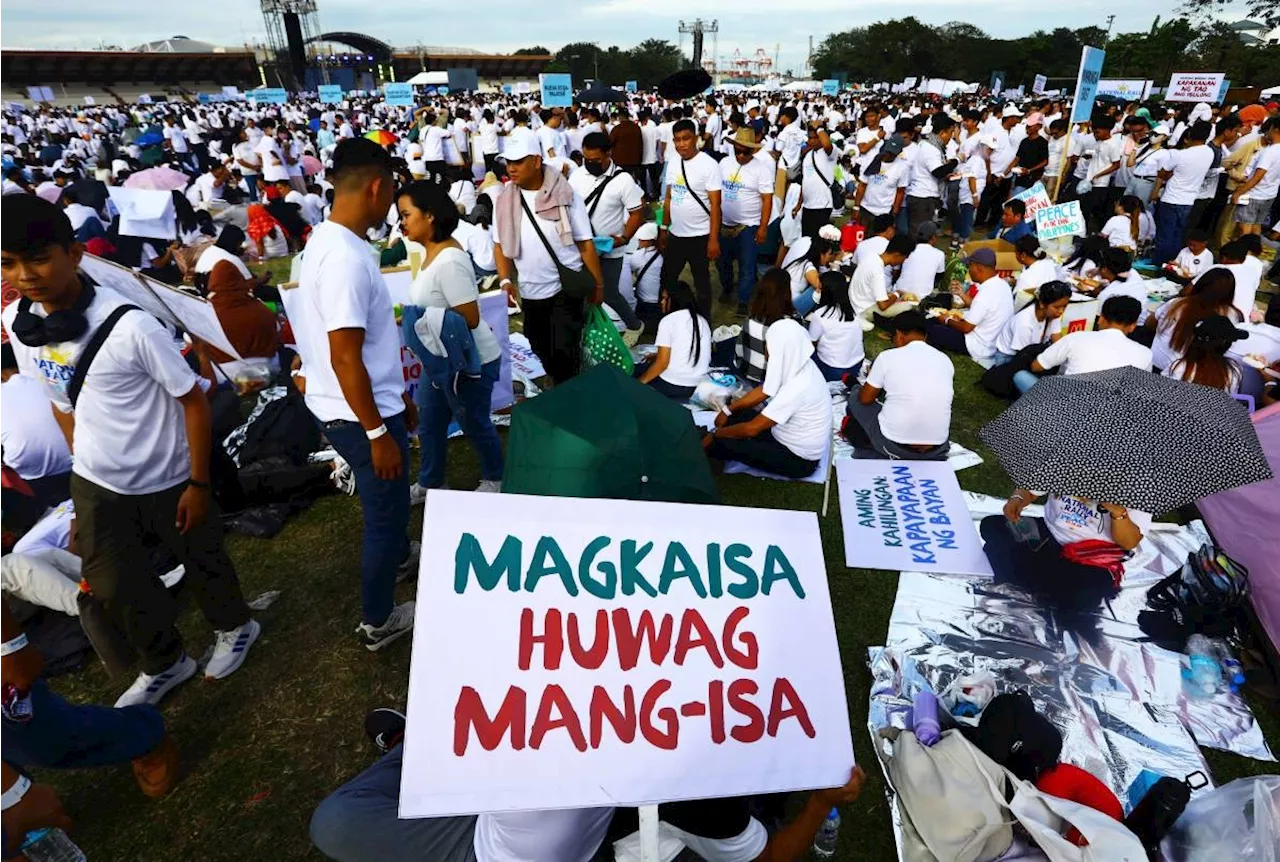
1206,361
1192,261
646,269
684,346
1124,229
835,330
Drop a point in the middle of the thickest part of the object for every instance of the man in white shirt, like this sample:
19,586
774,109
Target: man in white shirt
345,327
30,437
649,164
615,209
140,426
1176,188
208,187
747,184
274,169
1107,346
818,172
1108,153
929,171
923,269
691,214
882,183
974,334
917,383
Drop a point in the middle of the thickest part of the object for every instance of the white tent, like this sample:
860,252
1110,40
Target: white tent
798,86
1271,91
434,79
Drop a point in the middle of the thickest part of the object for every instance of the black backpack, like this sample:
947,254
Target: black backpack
283,428
1208,595
1017,737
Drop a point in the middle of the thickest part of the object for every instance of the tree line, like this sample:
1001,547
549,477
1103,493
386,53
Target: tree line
646,64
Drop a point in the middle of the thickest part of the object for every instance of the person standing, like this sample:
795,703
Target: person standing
930,168
818,172
691,214
139,426
1177,186
248,161
345,327
628,145
535,214
615,209
747,182
650,166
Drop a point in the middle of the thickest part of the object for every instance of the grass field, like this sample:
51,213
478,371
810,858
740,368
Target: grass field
263,747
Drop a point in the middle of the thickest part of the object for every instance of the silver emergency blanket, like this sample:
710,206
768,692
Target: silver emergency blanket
1118,701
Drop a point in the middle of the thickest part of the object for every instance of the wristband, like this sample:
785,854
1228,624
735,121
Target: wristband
1017,496
724,408
14,794
10,647
503,282
376,432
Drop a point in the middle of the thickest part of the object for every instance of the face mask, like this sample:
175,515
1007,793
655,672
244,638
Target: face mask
596,169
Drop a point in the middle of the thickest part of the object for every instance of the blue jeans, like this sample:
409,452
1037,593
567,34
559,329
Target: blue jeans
805,302
1024,380
438,404
964,222
742,250
62,736
385,505
831,373
1171,224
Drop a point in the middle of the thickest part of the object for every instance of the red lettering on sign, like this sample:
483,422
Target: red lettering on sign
469,713
623,721
688,638
749,656
787,704
554,698
739,690
592,658
667,738
552,639
632,639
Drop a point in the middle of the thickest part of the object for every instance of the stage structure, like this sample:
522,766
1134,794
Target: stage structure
291,26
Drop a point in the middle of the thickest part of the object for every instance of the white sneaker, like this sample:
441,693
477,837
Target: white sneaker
149,689
408,567
418,494
631,337
490,486
230,648
399,623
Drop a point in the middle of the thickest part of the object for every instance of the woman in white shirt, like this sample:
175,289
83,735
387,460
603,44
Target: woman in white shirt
790,435
1174,323
1205,361
1124,228
684,345
1038,323
803,263
447,281
1037,269
835,330
463,191
488,134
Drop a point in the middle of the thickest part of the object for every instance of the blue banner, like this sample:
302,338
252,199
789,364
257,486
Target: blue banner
508,89
557,90
269,96
632,86
397,94
330,94
1087,83
830,87
1222,91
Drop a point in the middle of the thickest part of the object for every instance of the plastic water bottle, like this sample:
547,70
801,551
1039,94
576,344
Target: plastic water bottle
1202,677
51,845
924,718
1232,670
824,843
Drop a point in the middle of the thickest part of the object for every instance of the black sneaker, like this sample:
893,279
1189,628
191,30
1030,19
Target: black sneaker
385,728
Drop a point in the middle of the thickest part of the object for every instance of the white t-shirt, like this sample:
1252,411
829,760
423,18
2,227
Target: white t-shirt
923,183
177,139
1075,519
432,139
868,285
648,275
974,167
1194,265
917,381
869,251
131,434
989,312
1189,167
273,169
565,835
741,189
450,281
1266,159
1108,152
478,243
1023,330
1132,285
1082,352
920,269
1040,272
341,287
648,143
672,840
688,218
883,187
1118,231
244,152
488,138
675,331
839,342
549,142
802,409
817,189
618,197
867,136
538,276
51,532
32,441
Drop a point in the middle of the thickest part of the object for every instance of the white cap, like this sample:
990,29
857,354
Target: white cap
647,231
1011,110
989,141
520,147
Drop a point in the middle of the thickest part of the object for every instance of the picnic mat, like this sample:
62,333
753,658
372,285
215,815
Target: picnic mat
1118,701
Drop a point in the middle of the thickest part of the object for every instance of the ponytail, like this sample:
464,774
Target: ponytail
680,298
1134,209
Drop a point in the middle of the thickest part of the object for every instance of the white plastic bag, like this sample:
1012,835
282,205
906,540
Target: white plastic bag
1239,821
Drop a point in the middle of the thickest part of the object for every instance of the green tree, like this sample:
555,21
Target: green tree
652,60
1264,11
579,58
535,51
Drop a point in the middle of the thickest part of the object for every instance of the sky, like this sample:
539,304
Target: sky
496,27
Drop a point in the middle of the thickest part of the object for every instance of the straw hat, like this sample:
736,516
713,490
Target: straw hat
745,137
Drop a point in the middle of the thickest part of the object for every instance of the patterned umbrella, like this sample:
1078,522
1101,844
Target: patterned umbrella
381,137
1128,437
160,179
311,165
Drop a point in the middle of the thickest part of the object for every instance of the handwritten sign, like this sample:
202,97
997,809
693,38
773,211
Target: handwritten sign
830,86
269,96
1194,87
571,653
1038,85
907,516
1035,197
1087,80
330,94
1060,220
557,89
397,93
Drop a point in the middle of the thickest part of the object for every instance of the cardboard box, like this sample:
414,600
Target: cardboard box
1006,262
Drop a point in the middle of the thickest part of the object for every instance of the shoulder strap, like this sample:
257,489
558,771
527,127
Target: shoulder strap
593,199
692,193
817,170
533,222
645,268
91,350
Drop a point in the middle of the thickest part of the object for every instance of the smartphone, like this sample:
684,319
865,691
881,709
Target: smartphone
1025,530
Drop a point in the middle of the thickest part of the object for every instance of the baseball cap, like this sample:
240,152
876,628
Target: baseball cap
520,147
1219,328
1035,119
989,141
926,231
892,146
982,257
647,231
1253,114
1011,111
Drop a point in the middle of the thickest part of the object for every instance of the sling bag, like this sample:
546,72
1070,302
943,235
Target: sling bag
91,350
576,283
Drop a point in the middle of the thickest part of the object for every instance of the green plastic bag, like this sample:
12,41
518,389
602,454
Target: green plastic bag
602,343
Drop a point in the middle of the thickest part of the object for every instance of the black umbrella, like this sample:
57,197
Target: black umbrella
684,84
1127,437
598,92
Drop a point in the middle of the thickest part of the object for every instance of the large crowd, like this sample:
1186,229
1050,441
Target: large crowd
830,222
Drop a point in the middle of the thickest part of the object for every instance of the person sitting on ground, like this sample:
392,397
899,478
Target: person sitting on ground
1037,267
917,383
868,289
31,439
286,208
835,330
1039,323
85,221
266,233
881,230
1240,258
1013,223
1107,346
646,271
790,434
974,334
924,270
684,345
770,303
805,261
1036,555
1173,324
1084,261
1205,360
1193,261
1122,279
249,325
1124,229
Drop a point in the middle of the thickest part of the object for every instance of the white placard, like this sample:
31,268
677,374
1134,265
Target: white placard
1039,84
1035,198
709,628
1194,87
1060,220
907,516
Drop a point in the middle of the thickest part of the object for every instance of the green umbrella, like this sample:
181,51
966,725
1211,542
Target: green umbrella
602,434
